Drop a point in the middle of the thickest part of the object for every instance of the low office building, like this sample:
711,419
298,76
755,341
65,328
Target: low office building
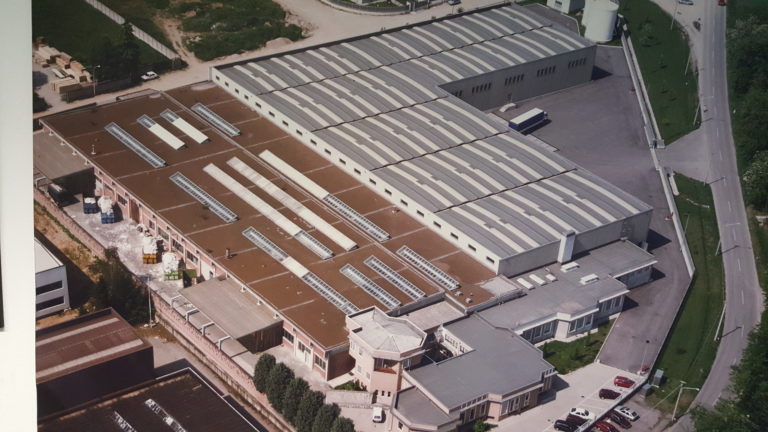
489,372
86,358
51,288
181,401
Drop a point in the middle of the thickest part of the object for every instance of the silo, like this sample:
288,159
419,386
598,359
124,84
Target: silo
600,20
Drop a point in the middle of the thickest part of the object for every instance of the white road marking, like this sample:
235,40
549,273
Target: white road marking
742,331
730,207
718,132
742,296
733,233
721,155
738,261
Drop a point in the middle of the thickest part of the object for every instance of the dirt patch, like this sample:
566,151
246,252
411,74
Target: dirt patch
63,241
277,43
60,317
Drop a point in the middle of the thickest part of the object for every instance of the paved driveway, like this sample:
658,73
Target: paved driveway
598,125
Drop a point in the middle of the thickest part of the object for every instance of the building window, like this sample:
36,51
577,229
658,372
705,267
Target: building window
226,83
299,132
373,182
121,199
319,362
527,400
237,91
313,142
191,257
177,246
437,224
285,123
490,260
258,105
163,234
48,287
271,114
58,301
419,212
327,151
387,191
343,162
472,248
357,171
151,225
403,202
454,236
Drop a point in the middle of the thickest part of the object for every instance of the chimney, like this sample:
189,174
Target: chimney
566,246
226,253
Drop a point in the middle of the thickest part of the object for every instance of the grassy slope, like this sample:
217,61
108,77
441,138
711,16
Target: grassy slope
71,26
569,356
690,350
662,54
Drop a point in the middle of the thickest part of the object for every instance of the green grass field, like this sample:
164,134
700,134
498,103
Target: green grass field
662,54
690,349
569,356
76,28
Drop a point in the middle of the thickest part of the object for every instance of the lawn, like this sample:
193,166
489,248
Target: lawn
141,13
569,356
690,348
662,54
224,28
77,29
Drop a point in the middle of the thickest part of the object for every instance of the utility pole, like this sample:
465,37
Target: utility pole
696,116
672,23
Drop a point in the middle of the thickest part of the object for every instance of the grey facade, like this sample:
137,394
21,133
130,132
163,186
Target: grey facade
395,110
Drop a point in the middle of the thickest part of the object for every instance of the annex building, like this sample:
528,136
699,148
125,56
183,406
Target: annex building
308,188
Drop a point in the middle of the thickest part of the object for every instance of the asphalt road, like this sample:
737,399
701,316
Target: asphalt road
743,295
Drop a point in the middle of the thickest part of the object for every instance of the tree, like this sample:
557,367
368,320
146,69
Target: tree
293,394
277,381
129,52
325,417
752,123
724,417
117,289
756,181
261,371
482,426
309,405
343,424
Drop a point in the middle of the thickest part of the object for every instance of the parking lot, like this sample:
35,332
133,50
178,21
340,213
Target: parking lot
577,389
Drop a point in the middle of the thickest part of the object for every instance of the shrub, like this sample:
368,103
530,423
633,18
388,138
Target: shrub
261,371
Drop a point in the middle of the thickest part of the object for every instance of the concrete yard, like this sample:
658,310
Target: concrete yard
598,125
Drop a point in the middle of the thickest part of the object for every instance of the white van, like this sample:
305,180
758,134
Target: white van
378,415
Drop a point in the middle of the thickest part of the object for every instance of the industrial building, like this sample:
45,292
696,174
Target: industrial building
181,401
51,286
87,357
306,189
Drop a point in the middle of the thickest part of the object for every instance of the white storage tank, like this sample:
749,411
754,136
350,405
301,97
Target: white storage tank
600,19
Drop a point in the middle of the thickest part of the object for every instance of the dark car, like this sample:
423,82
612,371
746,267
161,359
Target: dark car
619,419
608,394
563,425
606,427
623,381
575,420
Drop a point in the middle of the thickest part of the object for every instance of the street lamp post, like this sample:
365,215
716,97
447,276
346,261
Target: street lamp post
679,393
95,78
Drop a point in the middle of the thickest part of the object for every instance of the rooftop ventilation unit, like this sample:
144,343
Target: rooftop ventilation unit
569,267
394,278
203,197
216,120
369,286
588,279
428,268
132,143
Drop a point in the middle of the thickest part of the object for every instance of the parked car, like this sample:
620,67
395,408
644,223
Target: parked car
627,412
619,419
686,2
721,2
583,413
563,425
606,427
575,420
149,76
454,2
608,394
623,381
378,415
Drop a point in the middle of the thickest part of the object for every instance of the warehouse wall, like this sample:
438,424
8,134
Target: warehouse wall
526,80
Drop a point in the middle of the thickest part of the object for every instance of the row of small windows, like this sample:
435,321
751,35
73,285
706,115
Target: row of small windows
458,93
48,287
546,71
481,88
513,79
58,301
576,63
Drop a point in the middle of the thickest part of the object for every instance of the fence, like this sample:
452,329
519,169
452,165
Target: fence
78,232
350,399
139,33
96,89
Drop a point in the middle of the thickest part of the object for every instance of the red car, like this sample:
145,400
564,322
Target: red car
608,394
605,427
623,381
